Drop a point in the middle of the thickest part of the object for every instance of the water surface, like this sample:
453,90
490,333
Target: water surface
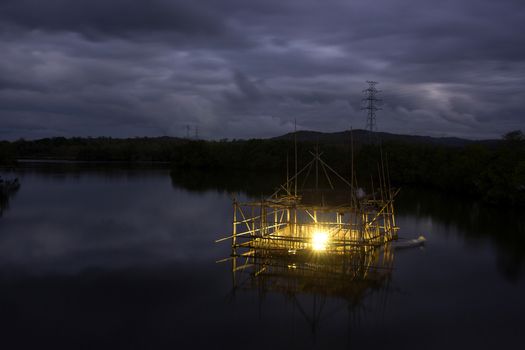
116,257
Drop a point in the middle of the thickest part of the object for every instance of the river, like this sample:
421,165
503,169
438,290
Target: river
95,257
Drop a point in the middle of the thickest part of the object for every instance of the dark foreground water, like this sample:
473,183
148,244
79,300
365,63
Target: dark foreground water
125,259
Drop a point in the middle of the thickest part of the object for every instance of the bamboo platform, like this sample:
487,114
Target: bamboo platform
319,240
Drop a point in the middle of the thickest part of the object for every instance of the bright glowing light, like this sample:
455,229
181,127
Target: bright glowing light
319,240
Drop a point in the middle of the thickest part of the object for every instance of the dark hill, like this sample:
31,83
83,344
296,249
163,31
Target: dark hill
363,136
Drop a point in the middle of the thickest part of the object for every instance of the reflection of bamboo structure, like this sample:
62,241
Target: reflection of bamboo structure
348,276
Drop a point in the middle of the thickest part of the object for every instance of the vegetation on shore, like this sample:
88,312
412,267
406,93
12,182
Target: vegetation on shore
493,172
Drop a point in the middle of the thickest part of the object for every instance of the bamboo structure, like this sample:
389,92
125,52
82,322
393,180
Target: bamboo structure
323,242
327,221
331,241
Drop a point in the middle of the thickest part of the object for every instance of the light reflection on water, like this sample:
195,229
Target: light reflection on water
114,258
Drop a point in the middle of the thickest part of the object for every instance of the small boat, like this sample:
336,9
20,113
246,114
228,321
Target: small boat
411,243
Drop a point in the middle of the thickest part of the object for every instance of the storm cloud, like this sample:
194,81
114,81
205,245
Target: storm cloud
238,68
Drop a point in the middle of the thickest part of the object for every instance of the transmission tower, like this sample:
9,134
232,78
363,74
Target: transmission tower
370,103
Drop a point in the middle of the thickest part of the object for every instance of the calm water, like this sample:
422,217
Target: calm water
125,258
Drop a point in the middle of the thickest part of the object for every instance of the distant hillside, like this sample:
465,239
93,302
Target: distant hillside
363,136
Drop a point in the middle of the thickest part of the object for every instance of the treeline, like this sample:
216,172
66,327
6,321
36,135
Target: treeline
8,153
93,149
181,153
494,173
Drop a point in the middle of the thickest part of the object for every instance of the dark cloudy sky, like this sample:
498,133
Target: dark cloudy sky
239,68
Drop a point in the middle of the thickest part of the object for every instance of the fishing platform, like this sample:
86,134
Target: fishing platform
317,233
295,221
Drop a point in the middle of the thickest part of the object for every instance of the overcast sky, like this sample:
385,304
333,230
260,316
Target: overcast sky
239,68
